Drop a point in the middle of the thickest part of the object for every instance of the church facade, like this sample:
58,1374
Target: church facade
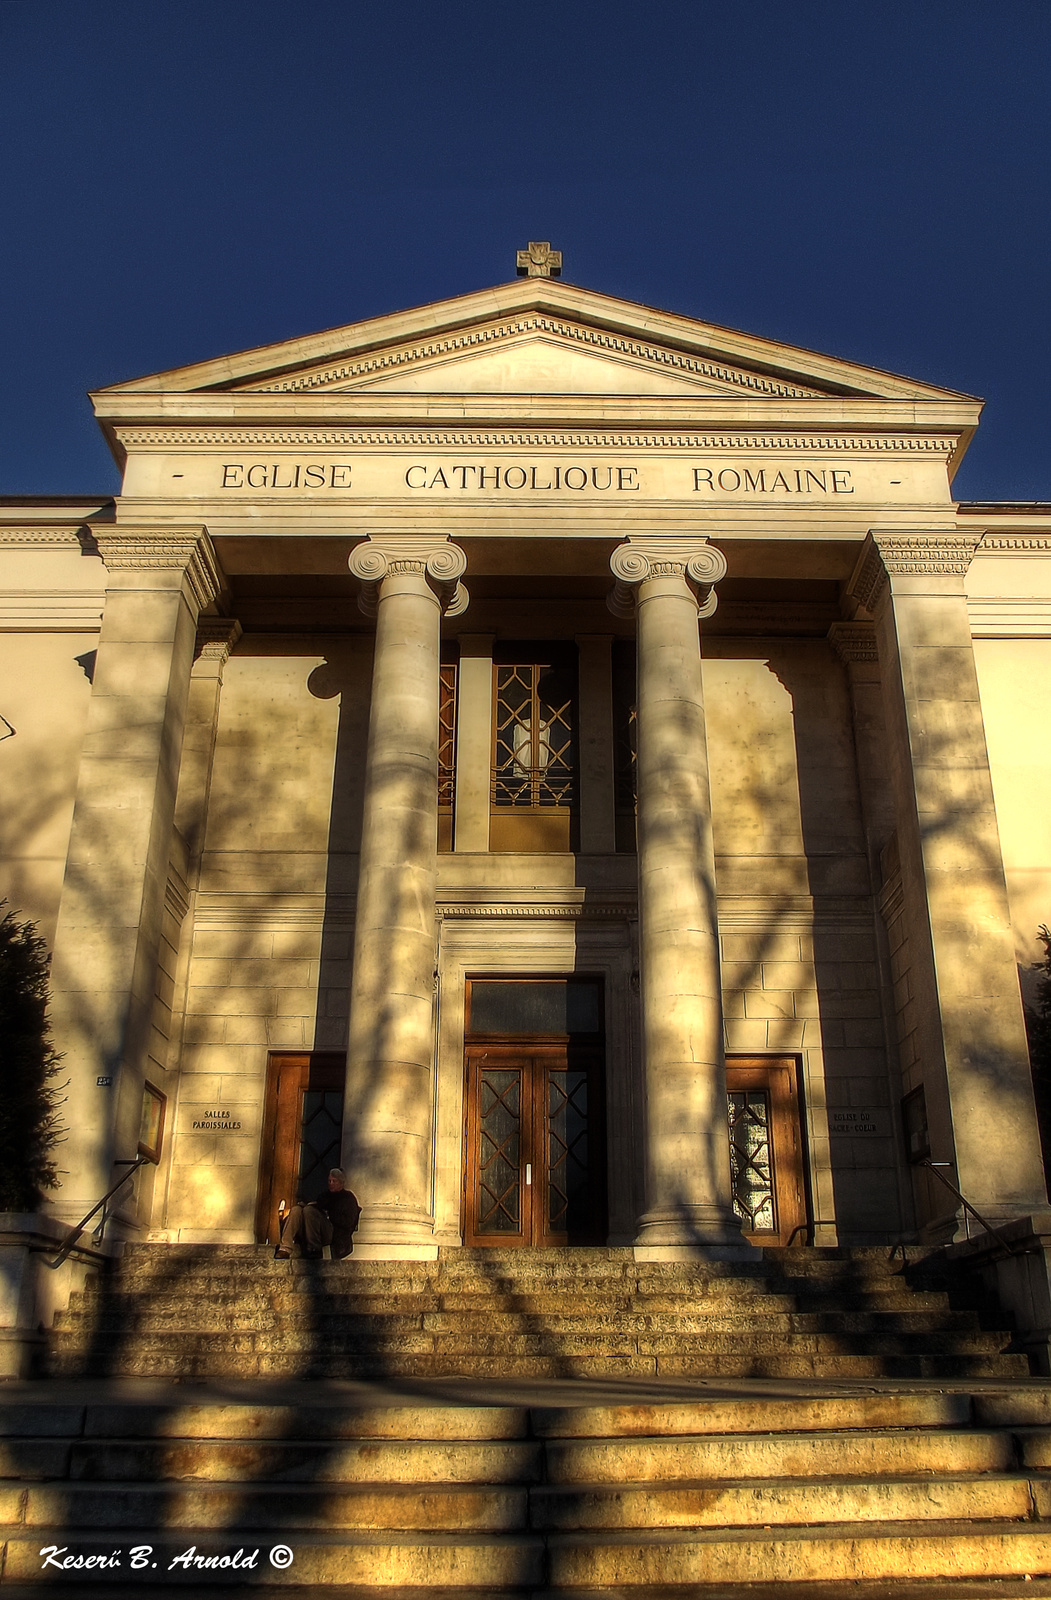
574,766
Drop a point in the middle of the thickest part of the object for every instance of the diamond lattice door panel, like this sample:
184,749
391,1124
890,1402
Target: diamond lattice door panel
534,1171
766,1149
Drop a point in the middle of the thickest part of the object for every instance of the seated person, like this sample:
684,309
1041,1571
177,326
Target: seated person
331,1219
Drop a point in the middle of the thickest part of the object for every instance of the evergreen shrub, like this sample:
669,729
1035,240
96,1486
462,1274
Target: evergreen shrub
30,1123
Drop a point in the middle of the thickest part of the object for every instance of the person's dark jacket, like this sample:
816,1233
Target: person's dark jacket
343,1211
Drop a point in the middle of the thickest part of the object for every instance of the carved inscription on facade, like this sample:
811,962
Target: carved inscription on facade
623,480
772,480
369,475
286,475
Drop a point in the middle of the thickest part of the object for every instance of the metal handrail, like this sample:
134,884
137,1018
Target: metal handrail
69,1242
809,1229
994,1233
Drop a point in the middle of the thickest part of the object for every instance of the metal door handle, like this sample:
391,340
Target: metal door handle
529,1172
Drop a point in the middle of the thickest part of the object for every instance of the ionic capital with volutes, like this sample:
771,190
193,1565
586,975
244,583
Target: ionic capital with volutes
889,553
638,559
187,551
432,556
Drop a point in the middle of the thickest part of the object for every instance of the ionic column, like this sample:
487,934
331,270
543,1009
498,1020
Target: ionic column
390,1059
107,941
963,979
688,1196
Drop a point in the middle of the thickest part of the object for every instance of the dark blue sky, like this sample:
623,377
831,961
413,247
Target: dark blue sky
183,178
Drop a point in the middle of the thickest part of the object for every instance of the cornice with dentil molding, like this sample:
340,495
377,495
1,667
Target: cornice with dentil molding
472,339
188,551
892,554
216,638
437,437
854,641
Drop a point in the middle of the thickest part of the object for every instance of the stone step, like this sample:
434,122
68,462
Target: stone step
204,1364
321,1326
1024,1408
1020,1588
698,1459
716,1496
405,1336
302,1296
621,1561
507,1508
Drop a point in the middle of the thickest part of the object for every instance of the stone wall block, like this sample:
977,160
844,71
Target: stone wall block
784,1033
752,948
789,975
743,1037
763,1003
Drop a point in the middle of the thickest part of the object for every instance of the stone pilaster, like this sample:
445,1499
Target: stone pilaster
390,1059
216,638
970,1033
598,822
688,1198
855,645
474,742
109,925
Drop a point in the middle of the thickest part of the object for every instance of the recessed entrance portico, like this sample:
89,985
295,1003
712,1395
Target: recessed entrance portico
534,1123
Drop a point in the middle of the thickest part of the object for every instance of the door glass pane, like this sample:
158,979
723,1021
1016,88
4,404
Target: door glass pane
751,1159
531,1008
568,1198
319,1141
499,1158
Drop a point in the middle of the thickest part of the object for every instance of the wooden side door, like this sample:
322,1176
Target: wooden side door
534,1130
766,1147
302,1132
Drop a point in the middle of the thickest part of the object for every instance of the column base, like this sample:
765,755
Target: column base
386,1233
394,1252
743,1251
690,1227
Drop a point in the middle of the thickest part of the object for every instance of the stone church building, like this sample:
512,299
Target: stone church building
573,765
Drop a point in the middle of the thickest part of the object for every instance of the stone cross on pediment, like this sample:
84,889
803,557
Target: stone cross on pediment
539,260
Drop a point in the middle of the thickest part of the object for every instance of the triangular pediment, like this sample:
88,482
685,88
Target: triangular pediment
533,337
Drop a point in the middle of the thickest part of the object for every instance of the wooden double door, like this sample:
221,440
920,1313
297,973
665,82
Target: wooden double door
766,1148
302,1132
535,1171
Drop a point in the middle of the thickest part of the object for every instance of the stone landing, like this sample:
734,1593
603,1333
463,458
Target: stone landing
734,1491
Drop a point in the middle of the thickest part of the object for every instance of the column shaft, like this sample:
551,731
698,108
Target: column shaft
688,1189
387,1110
108,938
969,1026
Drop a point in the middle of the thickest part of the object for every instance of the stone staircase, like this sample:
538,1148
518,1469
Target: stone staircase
168,1311
933,1493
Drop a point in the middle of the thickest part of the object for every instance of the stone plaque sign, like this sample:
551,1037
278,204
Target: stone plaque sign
860,1122
217,1122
